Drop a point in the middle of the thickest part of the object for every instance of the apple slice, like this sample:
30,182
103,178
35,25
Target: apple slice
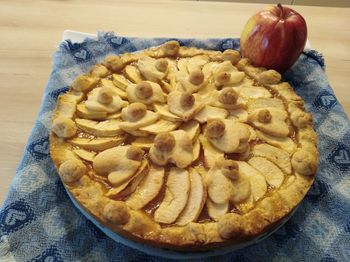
119,177
134,183
113,192
211,112
83,112
182,65
196,150
107,83
196,200
262,103
249,92
144,142
274,176
138,133
176,196
215,211
203,172
103,128
257,180
120,81
252,131
246,205
219,186
129,185
169,84
241,190
114,116
164,112
285,143
211,154
161,126
275,155
166,87
197,62
148,188
208,68
97,144
85,155
117,90
133,74
238,114
192,128
121,93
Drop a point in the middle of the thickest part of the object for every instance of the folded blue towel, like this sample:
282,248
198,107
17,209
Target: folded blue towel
38,222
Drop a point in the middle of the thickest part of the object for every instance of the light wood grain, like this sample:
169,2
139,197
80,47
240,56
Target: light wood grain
283,2
338,3
31,30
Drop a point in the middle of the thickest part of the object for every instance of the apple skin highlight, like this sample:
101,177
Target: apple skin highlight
274,38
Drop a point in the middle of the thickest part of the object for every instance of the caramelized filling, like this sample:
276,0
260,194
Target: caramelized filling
151,207
204,216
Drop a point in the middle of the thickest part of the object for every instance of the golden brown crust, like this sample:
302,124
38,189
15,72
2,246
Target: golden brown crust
64,127
269,77
294,129
84,83
231,55
116,212
99,71
72,170
230,226
114,63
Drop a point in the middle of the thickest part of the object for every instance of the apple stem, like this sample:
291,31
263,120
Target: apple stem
280,7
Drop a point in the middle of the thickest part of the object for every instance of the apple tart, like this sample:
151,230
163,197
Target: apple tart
184,148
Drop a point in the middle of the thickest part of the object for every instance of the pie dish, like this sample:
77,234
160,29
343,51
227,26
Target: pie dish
184,148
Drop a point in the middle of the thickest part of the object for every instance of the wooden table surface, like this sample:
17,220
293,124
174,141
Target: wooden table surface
31,30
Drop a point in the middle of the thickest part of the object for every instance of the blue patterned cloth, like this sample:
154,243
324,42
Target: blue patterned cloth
38,222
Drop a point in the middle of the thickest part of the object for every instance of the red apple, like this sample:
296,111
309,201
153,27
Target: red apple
274,38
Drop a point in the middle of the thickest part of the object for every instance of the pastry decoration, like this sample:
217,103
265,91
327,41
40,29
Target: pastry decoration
118,163
145,92
152,69
228,136
136,116
191,82
225,74
173,147
104,99
185,105
227,98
